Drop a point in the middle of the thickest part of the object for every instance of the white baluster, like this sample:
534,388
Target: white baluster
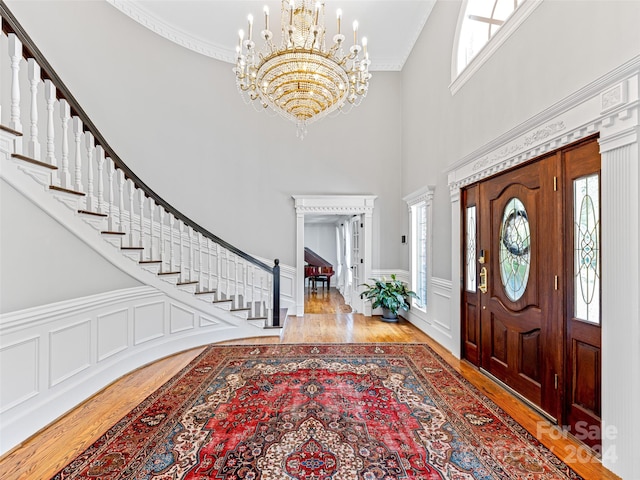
210,261
262,304
91,200
65,116
171,247
192,267
50,98
227,272
245,281
141,205
162,241
254,295
269,296
132,192
121,182
77,133
111,170
236,280
100,162
218,267
152,208
181,256
15,53
33,147
201,269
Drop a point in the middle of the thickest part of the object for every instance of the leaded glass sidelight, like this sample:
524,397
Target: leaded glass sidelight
470,249
586,207
515,254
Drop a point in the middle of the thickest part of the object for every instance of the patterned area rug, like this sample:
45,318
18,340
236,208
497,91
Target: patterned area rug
317,412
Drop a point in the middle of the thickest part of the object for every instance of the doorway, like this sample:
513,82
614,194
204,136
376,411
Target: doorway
345,206
531,289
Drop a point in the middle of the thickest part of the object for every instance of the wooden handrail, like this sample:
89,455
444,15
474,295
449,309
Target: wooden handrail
11,25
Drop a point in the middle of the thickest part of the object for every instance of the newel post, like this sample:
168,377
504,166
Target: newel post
276,293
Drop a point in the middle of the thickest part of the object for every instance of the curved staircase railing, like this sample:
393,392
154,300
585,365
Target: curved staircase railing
83,167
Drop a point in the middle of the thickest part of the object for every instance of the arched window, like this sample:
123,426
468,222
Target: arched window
482,26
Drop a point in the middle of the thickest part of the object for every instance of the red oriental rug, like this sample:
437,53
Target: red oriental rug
317,412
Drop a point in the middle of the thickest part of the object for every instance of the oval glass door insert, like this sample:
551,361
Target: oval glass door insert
515,242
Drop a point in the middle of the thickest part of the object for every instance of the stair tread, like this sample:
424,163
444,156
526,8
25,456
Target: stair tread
131,248
34,161
204,292
97,214
221,301
150,261
66,190
108,232
10,130
169,273
191,282
257,318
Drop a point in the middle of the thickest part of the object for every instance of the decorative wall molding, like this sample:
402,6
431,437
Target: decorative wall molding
334,204
73,349
424,194
609,106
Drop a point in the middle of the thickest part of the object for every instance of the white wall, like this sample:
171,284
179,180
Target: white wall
42,262
176,119
561,47
321,238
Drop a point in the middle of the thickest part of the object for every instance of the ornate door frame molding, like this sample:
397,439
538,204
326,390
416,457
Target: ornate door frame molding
333,205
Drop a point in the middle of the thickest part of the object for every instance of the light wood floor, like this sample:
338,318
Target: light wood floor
46,453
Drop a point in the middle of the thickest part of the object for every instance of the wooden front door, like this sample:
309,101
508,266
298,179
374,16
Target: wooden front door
530,299
519,314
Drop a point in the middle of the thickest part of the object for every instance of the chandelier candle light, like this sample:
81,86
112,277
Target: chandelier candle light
302,80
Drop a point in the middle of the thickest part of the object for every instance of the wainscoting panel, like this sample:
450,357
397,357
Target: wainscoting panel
113,333
19,384
181,319
148,322
53,357
69,351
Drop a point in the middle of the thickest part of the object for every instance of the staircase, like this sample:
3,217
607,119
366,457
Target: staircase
55,145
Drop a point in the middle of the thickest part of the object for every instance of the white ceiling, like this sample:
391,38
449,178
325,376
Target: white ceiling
210,27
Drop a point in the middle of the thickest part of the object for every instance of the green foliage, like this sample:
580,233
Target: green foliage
391,294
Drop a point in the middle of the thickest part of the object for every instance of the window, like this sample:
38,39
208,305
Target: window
420,241
483,25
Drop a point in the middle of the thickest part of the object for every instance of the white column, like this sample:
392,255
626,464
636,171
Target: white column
299,264
620,300
33,146
15,54
365,307
456,268
65,116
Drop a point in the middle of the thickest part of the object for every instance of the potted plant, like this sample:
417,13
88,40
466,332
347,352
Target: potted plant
391,295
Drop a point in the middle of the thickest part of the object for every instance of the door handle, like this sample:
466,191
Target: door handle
483,280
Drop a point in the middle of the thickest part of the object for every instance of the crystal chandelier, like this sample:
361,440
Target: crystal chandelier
302,80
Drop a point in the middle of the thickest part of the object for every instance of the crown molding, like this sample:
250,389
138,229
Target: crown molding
145,18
